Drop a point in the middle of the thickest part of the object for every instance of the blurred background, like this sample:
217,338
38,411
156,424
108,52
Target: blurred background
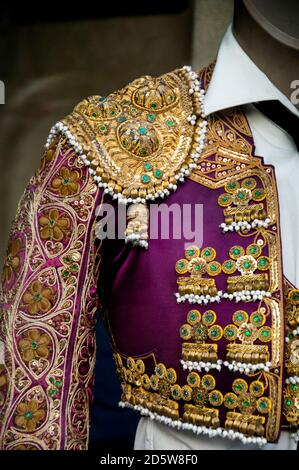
52,56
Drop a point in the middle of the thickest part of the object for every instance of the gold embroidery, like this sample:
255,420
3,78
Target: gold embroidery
199,329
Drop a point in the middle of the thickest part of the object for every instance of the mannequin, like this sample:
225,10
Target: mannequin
268,31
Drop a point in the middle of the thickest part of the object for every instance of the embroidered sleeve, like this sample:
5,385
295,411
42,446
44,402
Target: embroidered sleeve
48,305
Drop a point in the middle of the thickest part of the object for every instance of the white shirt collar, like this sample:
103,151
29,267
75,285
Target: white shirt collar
236,80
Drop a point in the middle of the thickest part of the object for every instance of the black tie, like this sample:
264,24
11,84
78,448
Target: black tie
282,116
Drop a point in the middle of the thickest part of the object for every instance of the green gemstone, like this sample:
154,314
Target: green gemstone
241,195
207,253
34,344
225,198
191,252
262,262
170,123
258,193
142,130
247,333
246,403
263,405
148,166
229,264
213,267
253,250
37,297
240,317
112,113
265,333
192,379
101,99
230,333
58,383
295,387
151,117
181,265
232,185
238,387
28,415
66,273
103,128
158,173
53,392
256,318
236,251
214,333
154,105
74,267
198,267
184,332
288,402
145,179
94,115
247,264
230,400
122,119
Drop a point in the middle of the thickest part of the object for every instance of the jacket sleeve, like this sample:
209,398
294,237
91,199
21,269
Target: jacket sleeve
48,305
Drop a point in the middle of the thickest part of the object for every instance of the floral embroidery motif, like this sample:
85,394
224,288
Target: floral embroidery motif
3,384
29,415
53,226
248,330
38,299
291,403
199,329
34,345
239,214
249,285
198,263
12,262
66,183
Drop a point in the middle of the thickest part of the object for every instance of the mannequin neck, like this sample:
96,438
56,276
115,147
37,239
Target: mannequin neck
277,57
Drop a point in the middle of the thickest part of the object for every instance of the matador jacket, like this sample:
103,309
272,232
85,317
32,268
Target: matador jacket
204,335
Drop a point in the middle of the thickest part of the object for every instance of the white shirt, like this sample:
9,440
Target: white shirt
237,81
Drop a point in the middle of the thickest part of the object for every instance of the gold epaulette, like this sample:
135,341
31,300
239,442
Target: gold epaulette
141,140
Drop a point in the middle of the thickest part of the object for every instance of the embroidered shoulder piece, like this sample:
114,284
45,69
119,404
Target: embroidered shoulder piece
139,142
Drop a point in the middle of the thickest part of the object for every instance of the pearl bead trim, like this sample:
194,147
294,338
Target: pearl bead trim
247,368
229,434
198,299
239,226
242,367
245,296
294,379
199,366
136,240
200,130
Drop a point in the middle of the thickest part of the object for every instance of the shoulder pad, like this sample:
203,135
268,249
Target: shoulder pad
138,141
